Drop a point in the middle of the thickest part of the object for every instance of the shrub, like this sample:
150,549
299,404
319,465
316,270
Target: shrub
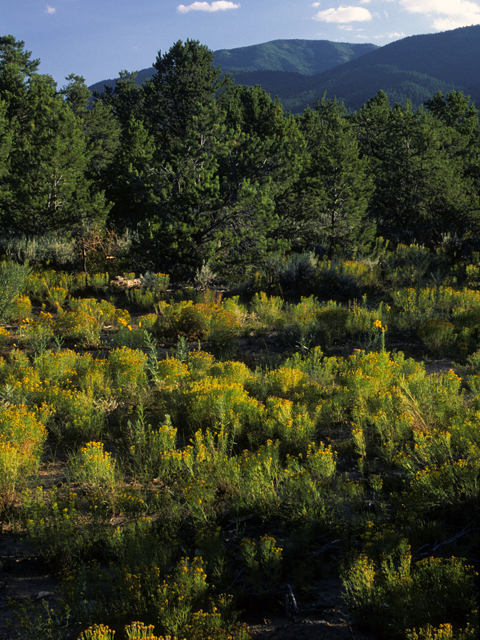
395,594
13,278
94,467
128,371
269,310
21,308
21,440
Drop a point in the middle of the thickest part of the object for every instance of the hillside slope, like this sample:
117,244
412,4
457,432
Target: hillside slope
415,68
305,57
301,71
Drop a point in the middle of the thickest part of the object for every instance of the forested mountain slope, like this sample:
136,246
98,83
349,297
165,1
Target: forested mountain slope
301,71
413,68
307,57
297,57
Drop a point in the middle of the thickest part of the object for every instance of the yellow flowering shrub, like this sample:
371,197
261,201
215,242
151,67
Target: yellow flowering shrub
21,439
94,467
286,383
172,373
210,402
268,310
80,326
20,309
22,428
56,297
4,336
199,364
128,370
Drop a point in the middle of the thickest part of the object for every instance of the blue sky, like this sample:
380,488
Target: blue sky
98,38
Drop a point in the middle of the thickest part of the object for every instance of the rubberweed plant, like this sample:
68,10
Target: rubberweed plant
147,447
181,595
393,594
4,337
98,632
128,371
262,560
37,334
95,469
13,278
20,309
268,310
56,297
21,439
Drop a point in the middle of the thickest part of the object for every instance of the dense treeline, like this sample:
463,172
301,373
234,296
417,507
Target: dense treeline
198,170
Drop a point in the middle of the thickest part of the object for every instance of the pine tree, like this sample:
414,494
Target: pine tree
46,187
211,183
421,191
333,191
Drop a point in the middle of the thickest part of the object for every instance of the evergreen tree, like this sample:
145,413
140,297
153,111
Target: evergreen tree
16,68
332,194
421,192
46,187
6,138
212,195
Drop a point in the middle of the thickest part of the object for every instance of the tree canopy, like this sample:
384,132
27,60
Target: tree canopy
200,170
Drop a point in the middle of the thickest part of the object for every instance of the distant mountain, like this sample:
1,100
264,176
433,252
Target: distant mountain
301,71
307,57
415,68
303,57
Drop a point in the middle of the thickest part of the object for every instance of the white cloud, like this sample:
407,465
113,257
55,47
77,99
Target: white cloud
446,14
219,5
316,4
365,1
344,14
393,35
50,9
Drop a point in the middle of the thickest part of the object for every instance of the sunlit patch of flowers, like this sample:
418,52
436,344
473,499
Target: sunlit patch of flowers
94,467
97,632
285,382
22,436
20,426
56,297
128,370
210,401
4,336
80,326
20,309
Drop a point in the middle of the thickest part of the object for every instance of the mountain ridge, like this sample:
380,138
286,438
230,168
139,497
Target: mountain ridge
414,68
309,57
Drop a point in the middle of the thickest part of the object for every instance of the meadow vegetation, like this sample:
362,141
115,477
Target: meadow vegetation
220,449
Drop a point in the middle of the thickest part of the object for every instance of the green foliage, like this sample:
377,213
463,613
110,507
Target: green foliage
392,596
334,184
188,474
13,279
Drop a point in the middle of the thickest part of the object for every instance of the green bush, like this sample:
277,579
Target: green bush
13,278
